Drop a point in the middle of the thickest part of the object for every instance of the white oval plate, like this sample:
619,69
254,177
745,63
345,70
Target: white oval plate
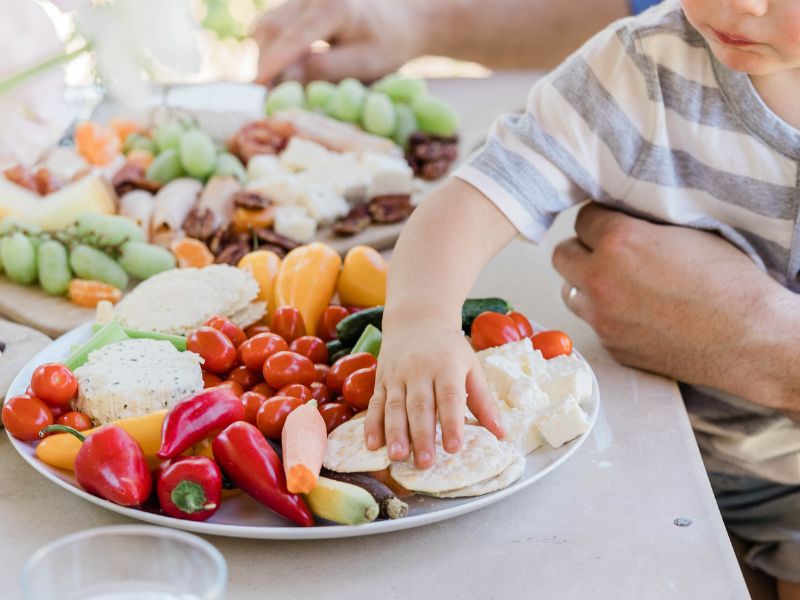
241,516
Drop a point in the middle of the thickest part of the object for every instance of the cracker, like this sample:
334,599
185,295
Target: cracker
347,453
513,472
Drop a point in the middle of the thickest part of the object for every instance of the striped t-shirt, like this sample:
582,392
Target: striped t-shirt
643,118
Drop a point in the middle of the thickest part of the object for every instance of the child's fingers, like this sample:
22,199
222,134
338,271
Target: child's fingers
481,402
421,410
451,399
373,424
395,423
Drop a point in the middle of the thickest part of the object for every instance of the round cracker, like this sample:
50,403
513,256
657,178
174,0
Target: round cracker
347,453
513,472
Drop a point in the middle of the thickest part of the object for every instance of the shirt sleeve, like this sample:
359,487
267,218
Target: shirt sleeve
580,136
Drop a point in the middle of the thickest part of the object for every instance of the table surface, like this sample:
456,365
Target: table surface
600,526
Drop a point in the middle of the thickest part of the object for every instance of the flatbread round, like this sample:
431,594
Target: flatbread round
513,472
347,453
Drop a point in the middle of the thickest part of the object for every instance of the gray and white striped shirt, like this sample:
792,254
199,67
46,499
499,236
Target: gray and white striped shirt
643,118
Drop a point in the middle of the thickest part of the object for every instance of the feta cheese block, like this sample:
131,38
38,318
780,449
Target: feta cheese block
322,203
390,175
501,373
345,173
281,187
519,425
563,422
529,361
263,166
134,378
513,472
295,223
567,375
346,451
301,154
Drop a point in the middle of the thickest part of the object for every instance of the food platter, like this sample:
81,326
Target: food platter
243,517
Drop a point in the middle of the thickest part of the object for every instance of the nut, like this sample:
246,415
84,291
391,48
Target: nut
390,209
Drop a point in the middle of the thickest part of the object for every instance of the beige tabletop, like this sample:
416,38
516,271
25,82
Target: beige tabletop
600,526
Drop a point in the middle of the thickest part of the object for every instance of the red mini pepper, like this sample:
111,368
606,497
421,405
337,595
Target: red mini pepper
190,488
196,418
250,462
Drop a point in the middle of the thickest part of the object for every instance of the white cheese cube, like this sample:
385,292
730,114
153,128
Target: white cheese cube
345,174
520,429
563,423
525,393
390,175
280,187
567,375
322,203
530,361
294,223
262,166
500,373
301,154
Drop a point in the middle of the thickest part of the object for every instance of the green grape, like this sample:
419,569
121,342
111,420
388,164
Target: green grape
379,115
197,153
145,260
288,94
168,136
107,230
229,165
91,263
435,116
54,272
165,167
318,94
406,124
15,224
19,258
136,141
345,104
401,89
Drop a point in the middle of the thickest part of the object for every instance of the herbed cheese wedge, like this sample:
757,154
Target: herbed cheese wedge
347,453
563,423
513,472
295,223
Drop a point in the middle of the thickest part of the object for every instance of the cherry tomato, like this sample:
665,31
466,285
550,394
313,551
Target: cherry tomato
342,368
359,387
76,420
490,329
245,377
211,380
326,329
320,392
354,309
264,389
252,401
233,386
285,367
335,413
255,351
288,323
312,347
218,352
523,325
25,416
54,384
322,372
272,414
296,390
57,411
254,330
233,332
552,343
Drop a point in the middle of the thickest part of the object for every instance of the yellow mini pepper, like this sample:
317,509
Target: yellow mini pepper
307,281
363,279
264,266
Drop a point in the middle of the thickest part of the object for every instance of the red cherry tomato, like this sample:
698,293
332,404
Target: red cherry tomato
326,329
523,325
284,368
490,329
25,416
254,330
252,401
297,390
272,415
76,420
233,386
322,372
288,323
233,332
58,411
218,352
255,351
245,377
312,347
342,368
320,392
359,387
211,380
335,413
54,384
552,343
264,389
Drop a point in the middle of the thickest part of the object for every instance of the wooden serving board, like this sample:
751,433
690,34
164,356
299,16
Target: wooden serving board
29,305
21,343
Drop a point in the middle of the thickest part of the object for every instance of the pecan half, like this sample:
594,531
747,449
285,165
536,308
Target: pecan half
243,199
431,156
131,176
260,137
199,224
354,222
390,209
232,253
269,237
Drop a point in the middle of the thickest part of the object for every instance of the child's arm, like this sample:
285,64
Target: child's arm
426,365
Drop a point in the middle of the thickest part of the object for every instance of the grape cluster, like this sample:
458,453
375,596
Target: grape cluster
96,247
393,107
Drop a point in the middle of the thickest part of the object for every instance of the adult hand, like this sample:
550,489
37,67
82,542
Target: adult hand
368,38
683,303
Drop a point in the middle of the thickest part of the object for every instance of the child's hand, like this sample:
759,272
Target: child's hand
425,367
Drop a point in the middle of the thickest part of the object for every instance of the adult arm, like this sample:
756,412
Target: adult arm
685,304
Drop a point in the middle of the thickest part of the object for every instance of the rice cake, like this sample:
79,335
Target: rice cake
347,453
513,472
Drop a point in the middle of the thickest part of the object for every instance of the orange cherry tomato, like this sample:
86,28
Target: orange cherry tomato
359,387
286,367
328,321
25,416
322,372
254,330
288,323
233,386
255,351
272,415
211,380
335,413
297,390
490,329
54,384
252,401
523,325
264,389
229,328
552,343
320,392
244,376
346,365
312,347
76,420
218,352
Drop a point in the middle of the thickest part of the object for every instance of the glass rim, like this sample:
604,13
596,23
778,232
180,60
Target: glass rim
215,591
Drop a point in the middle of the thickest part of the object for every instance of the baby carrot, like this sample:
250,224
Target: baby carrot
303,440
